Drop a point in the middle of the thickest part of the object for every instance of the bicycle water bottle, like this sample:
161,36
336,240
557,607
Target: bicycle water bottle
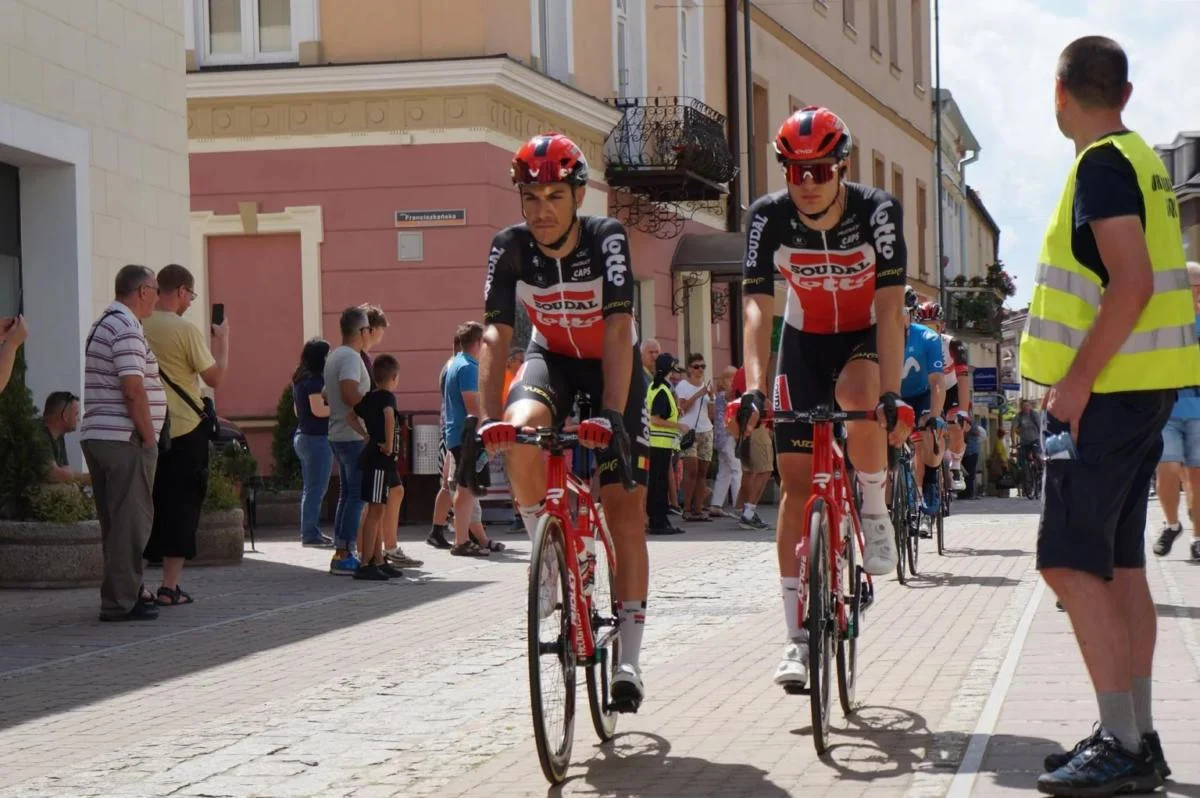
1061,447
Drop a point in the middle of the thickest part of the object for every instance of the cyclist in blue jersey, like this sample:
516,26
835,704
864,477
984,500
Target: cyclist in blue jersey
923,387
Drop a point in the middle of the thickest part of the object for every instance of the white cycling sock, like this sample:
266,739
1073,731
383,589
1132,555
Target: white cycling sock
791,607
748,510
531,516
872,492
633,624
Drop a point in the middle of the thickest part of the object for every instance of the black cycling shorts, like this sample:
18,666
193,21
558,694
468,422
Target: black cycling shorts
554,380
1094,517
807,373
951,398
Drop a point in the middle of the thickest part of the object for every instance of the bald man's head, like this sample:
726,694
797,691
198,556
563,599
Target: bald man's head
650,351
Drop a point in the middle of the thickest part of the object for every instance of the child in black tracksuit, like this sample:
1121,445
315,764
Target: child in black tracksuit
375,417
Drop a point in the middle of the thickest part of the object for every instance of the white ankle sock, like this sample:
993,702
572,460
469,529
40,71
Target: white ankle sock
531,516
748,510
872,492
633,624
791,607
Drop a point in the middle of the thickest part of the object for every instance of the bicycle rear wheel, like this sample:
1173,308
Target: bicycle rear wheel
900,502
945,510
851,585
821,625
551,653
604,616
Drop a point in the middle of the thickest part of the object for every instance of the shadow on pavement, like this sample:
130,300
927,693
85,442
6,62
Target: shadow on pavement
889,742
57,656
640,764
925,579
1176,611
995,506
967,551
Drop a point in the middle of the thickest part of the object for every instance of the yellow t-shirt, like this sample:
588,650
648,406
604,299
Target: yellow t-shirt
182,354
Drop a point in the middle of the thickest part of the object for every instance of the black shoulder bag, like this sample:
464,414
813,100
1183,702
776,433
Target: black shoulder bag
207,411
164,435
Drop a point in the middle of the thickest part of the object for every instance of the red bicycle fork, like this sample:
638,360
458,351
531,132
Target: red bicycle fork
580,540
830,485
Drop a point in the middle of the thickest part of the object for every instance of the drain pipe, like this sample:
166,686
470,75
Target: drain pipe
733,215
937,123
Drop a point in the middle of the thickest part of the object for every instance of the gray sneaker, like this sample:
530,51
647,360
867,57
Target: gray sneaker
1195,549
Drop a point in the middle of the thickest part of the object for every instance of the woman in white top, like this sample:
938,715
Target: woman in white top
695,413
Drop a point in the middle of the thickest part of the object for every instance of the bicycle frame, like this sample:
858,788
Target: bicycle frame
830,484
585,527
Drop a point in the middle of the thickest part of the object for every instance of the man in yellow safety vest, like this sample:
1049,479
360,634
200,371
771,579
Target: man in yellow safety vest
1111,333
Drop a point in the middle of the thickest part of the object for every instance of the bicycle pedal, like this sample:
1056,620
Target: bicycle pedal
792,688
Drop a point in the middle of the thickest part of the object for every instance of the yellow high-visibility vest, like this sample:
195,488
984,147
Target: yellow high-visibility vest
1161,352
662,437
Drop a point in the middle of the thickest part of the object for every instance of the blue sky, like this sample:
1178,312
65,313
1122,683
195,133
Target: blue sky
998,59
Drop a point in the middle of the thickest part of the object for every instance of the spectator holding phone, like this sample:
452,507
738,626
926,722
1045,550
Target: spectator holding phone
181,482
13,332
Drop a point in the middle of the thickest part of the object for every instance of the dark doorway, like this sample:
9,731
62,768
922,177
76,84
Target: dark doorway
10,240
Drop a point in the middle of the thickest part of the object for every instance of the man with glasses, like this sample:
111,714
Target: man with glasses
181,481
126,410
839,248
346,383
60,415
695,413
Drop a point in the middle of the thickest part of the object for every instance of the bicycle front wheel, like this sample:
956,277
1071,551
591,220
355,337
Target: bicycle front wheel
551,654
604,615
821,625
851,585
900,515
945,511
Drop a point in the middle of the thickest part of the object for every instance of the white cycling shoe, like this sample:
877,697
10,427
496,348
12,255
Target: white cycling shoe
880,539
627,689
956,479
793,668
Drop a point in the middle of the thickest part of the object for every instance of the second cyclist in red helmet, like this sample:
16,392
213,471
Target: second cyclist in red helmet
574,278
838,248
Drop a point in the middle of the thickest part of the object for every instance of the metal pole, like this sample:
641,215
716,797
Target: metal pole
733,216
937,122
751,155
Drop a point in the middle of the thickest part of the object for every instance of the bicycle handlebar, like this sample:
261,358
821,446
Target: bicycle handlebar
546,438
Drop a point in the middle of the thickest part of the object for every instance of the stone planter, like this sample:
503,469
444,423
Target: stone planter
43,555
220,539
279,508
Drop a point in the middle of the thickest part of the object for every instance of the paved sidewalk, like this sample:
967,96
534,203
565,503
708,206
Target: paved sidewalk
284,681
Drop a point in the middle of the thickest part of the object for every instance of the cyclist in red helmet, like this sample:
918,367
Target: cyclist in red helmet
573,276
958,393
839,249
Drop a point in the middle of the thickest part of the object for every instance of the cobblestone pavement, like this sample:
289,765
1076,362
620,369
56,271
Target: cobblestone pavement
284,681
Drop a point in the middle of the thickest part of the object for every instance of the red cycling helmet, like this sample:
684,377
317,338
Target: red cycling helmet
550,158
811,133
928,311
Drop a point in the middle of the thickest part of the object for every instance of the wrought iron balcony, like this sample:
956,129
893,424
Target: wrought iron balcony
671,149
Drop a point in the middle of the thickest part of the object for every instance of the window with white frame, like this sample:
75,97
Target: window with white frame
250,31
691,49
629,47
553,33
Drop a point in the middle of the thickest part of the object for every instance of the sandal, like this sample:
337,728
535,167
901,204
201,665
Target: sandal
490,545
468,549
171,598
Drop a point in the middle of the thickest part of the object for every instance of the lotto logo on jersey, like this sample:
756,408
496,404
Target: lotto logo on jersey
884,229
615,265
812,270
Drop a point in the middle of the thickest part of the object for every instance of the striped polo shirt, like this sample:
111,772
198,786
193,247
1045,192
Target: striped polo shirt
118,349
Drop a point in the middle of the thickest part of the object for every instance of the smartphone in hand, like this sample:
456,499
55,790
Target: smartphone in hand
218,314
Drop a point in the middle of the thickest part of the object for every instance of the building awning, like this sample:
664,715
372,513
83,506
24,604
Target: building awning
718,253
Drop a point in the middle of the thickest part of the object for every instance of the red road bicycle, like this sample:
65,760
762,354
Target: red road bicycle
834,589
572,616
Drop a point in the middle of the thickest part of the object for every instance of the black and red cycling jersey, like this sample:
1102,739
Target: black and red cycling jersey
832,275
568,298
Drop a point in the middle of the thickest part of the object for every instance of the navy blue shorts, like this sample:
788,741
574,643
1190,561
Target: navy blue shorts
1094,517
920,403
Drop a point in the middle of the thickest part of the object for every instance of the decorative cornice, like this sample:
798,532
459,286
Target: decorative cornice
420,76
